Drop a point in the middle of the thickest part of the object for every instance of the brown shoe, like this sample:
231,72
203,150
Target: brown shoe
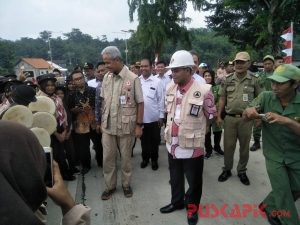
127,192
107,194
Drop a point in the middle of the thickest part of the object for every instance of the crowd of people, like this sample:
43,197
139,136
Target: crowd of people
111,105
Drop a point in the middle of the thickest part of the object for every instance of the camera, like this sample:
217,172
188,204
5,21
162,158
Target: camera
48,178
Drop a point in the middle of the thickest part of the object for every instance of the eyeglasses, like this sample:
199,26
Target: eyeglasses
78,78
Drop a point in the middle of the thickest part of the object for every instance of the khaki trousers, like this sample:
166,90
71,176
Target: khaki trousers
111,145
236,129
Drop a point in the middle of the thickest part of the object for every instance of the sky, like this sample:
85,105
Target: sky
27,18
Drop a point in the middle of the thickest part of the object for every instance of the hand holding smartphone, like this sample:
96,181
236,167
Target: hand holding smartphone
49,181
263,117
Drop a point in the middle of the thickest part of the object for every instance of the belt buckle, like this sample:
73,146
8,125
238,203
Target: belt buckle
238,115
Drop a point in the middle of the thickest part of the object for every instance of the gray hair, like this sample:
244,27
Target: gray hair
112,51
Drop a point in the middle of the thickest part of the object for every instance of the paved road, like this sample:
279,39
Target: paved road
151,191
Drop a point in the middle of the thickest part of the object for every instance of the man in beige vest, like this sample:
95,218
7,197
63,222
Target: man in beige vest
189,105
122,119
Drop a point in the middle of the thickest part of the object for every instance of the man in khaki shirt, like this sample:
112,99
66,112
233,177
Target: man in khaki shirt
236,93
121,119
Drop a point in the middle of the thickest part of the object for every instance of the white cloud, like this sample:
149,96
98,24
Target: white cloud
27,18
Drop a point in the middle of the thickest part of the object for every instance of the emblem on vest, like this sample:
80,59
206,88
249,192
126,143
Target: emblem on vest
197,94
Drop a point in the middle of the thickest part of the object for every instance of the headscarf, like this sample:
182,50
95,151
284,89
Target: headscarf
22,168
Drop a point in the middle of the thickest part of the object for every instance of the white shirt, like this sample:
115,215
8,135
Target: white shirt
153,94
93,83
165,79
199,79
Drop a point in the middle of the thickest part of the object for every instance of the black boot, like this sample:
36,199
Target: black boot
255,146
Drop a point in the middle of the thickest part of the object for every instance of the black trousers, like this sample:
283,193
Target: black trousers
82,148
192,169
217,140
96,139
59,156
150,141
70,152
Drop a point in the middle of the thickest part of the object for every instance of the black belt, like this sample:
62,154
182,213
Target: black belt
234,115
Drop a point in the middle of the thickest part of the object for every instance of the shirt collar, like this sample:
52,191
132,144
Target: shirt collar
149,78
122,73
184,89
248,76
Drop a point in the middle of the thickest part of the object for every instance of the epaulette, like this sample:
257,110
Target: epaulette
229,75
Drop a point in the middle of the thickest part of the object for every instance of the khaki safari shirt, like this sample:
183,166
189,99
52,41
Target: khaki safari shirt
120,93
280,143
239,93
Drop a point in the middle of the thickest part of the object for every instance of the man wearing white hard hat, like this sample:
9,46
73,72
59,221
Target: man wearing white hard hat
189,106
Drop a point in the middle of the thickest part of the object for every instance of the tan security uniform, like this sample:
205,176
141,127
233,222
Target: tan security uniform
121,93
238,95
191,133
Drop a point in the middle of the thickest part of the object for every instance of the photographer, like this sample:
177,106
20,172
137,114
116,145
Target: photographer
22,169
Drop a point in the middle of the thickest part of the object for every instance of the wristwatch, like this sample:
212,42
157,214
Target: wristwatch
139,124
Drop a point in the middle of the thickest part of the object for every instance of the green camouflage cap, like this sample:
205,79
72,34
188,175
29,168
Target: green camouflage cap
285,72
268,57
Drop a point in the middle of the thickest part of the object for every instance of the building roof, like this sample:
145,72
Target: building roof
55,66
37,63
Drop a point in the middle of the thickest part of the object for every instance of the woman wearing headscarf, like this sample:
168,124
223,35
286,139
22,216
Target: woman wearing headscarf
22,169
47,88
209,76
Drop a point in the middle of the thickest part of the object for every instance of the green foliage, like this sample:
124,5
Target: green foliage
7,59
160,21
254,24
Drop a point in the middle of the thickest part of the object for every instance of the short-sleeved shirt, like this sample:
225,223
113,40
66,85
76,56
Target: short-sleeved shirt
264,82
280,143
239,92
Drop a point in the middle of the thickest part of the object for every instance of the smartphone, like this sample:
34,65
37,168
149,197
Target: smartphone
49,181
263,117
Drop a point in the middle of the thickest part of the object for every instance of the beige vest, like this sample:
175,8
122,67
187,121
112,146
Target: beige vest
192,122
126,112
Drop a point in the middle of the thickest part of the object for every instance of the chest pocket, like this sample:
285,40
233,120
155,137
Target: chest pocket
230,92
169,102
151,93
195,107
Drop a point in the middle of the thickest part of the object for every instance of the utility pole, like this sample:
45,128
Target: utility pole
49,45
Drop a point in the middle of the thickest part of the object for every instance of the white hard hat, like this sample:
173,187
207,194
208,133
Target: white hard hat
181,58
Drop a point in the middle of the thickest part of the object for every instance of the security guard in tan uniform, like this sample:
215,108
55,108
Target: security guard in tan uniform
122,118
237,91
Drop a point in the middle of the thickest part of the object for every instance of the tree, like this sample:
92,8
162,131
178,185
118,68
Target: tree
7,59
252,24
160,21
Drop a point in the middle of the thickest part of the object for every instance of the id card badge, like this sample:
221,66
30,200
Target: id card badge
245,98
195,110
123,100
